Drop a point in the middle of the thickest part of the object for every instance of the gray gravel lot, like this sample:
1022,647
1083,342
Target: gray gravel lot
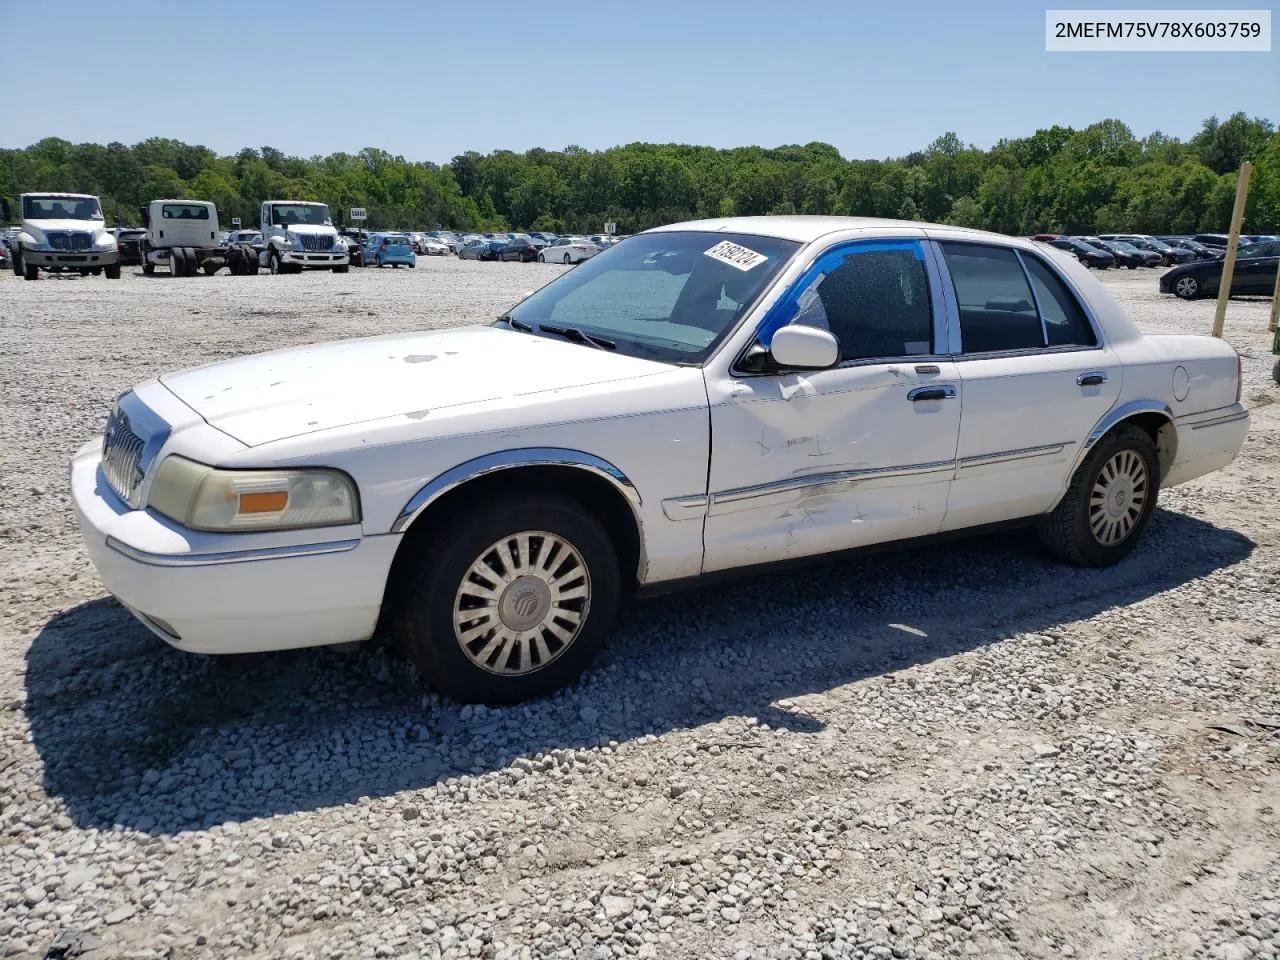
965,750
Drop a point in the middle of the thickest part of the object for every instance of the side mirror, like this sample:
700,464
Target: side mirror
806,348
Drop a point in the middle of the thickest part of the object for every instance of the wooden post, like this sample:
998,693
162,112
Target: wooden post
1233,241
1275,303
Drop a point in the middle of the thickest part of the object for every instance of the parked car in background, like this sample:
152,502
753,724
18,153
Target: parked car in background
1126,254
568,250
129,245
481,249
1218,241
1086,253
521,249
355,240
303,496
1254,275
1169,255
433,247
389,250
1199,249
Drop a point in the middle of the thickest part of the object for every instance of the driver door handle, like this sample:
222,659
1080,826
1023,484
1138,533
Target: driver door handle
940,392
1093,378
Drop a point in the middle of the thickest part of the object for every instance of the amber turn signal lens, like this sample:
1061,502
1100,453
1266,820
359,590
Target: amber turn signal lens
271,502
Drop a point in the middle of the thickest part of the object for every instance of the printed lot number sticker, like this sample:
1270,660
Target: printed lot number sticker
736,255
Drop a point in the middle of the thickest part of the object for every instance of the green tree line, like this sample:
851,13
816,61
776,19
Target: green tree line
1095,180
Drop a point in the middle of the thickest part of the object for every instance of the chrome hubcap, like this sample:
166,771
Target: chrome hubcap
1186,286
522,603
1118,498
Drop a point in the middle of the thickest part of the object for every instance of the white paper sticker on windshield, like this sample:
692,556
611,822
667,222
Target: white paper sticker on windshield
736,255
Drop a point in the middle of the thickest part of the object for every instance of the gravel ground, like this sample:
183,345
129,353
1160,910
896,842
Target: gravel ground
958,751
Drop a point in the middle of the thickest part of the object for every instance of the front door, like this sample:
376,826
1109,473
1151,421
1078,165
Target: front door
807,462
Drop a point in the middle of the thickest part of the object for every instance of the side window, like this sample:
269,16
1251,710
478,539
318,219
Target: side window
997,309
875,299
1064,319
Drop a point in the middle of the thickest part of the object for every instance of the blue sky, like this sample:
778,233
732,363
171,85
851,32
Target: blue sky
429,80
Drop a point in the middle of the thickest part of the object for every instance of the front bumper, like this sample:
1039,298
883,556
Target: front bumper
308,258
72,259
230,593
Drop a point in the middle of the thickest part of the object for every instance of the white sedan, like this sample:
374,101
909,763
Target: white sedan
568,250
705,397
433,246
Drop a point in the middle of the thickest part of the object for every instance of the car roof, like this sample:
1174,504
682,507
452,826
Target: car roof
49,193
808,228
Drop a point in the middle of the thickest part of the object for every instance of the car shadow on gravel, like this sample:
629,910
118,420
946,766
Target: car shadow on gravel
135,734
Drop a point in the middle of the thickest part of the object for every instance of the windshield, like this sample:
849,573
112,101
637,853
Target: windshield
1157,245
61,208
289,214
1121,245
666,296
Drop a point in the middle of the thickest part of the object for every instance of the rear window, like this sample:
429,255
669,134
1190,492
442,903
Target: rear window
397,241
184,211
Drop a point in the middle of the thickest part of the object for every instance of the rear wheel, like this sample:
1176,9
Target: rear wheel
566,258
250,261
210,267
1109,503
177,262
510,601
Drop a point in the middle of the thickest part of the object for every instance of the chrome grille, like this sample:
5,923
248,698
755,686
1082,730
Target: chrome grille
65,240
321,242
122,456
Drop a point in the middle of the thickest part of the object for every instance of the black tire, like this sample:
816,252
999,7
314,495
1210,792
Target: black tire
1187,288
1068,532
112,270
273,263
424,619
566,261
210,267
177,262
15,259
235,261
1275,372
1132,266
29,272
342,268
377,262
250,261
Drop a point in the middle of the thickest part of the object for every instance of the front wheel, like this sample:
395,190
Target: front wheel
274,264
112,271
1186,288
342,268
1109,503
510,600
29,272
567,261
541,258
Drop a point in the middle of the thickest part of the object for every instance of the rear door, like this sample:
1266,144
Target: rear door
1036,379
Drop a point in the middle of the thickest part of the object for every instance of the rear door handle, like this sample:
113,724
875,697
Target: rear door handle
941,392
1093,379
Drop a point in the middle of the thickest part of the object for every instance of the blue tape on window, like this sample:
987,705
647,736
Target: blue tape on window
786,309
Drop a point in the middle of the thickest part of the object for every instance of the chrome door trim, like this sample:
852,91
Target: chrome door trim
1091,373
230,556
508,459
685,508
837,477
1004,456
1035,297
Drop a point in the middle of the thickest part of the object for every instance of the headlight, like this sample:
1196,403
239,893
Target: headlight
205,498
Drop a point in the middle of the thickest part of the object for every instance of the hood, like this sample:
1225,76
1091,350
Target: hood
309,229
96,227
286,393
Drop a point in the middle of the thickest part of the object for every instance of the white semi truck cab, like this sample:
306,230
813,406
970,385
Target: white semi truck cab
299,235
183,235
63,233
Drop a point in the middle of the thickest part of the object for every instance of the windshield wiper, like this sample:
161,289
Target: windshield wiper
578,336
515,324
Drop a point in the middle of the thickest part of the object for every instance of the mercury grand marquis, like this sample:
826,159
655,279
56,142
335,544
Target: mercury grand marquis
703,397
